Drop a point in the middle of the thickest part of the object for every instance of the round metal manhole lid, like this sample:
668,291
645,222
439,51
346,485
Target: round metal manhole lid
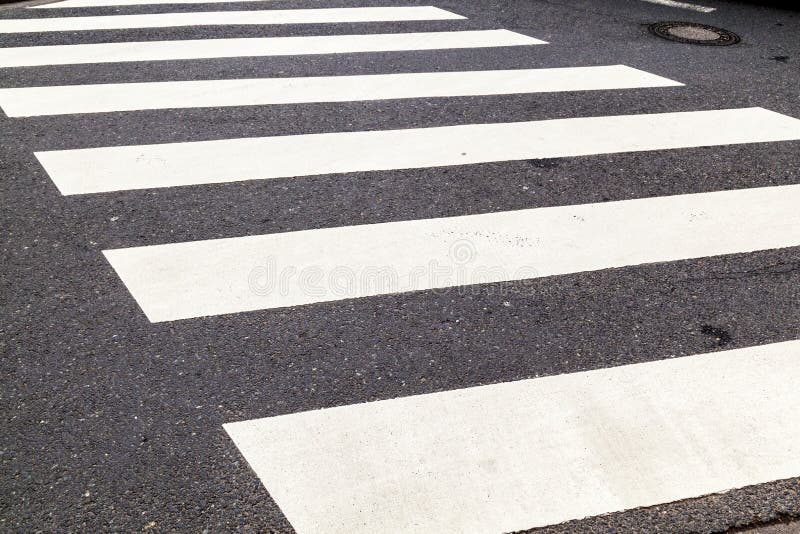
690,32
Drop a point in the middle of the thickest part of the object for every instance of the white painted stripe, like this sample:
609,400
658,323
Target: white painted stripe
32,56
221,18
184,280
683,5
101,3
96,170
538,452
59,100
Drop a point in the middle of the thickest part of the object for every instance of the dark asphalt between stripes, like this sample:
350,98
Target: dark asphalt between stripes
112,423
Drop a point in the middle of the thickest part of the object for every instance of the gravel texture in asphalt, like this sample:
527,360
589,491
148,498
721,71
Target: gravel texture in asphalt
112,423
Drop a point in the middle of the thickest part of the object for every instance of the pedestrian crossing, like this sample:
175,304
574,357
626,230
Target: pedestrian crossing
112,97
488,458
71,4
226,18
105,169
512,456
80,54
194,279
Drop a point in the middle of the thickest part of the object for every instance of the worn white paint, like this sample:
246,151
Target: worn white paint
193,279
60,100
32,56
683,5
96,170
69,4
223,18
525,454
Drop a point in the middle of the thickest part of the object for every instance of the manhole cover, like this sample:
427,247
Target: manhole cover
689,32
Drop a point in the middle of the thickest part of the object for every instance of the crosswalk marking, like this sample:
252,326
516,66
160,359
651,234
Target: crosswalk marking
184,280
532,453
219,18
485,459
104,169
101,3
683,5
32,101
33,56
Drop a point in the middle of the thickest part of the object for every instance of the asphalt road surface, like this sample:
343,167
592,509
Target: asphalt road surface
399,266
